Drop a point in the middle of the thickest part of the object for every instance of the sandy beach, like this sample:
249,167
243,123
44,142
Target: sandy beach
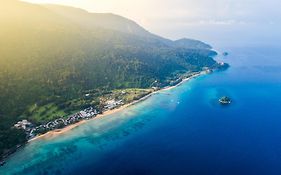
57,132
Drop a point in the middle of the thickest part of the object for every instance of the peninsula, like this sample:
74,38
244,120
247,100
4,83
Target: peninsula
61,65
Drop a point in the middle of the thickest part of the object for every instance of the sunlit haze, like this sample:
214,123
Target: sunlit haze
203,19
130,87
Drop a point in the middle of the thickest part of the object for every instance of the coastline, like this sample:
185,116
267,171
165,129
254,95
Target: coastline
57,132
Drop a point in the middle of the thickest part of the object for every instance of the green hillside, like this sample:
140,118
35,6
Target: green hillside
52,55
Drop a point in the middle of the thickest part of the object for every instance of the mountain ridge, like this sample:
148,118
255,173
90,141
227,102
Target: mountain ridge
56,54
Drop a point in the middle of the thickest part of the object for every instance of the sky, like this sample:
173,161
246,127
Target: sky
213,21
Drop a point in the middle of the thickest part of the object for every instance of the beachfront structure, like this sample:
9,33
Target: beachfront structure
110,104
24,124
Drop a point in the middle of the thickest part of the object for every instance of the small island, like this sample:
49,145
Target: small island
225,53
225,100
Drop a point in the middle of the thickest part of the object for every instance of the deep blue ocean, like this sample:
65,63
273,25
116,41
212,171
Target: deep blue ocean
183,131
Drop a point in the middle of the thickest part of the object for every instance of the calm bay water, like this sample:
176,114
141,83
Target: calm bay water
180,131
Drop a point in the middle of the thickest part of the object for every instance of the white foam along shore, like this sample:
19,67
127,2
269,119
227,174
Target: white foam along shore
57,132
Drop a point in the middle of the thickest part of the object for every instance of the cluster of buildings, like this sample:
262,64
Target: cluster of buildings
25,125
32,131
84,114
112,104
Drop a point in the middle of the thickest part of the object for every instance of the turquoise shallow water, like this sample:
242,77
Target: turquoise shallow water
180,131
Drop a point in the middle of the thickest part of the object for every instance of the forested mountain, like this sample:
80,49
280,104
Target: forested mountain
50,52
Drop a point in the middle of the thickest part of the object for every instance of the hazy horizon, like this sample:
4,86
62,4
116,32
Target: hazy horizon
217,22
95,93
